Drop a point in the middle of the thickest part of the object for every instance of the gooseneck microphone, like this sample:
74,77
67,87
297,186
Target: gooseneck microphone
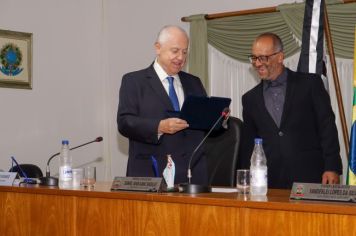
48,180
195,188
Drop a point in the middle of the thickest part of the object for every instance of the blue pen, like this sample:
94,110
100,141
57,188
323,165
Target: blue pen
155,166
26,180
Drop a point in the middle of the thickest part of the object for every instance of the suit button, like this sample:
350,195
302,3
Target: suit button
280,133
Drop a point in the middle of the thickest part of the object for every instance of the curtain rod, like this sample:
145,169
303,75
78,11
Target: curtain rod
244,12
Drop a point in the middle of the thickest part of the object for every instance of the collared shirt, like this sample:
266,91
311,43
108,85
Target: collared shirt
274,93
176,82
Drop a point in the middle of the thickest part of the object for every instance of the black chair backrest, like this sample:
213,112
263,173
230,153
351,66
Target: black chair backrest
32,171
221,149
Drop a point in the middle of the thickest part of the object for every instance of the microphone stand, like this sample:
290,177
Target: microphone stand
196,188
48,180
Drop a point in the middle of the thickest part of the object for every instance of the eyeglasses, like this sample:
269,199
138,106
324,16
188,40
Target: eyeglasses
262,58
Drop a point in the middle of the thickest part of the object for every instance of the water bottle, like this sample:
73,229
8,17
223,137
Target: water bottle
65,166
258,170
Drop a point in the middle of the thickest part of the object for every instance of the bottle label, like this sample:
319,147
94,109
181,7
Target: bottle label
258,177
65,173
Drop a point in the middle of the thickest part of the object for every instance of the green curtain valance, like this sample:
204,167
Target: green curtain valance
233,36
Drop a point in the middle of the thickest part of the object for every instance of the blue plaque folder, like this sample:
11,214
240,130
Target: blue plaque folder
202,112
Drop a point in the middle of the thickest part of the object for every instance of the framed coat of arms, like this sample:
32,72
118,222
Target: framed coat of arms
15,59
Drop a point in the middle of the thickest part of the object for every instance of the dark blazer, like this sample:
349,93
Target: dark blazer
143,104
306,143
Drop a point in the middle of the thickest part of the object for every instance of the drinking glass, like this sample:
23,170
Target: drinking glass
77,177
243,181
89,177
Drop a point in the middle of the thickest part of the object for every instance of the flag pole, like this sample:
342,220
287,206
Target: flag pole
336,80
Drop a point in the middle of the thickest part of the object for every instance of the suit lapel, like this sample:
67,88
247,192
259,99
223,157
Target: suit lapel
185,84
158,88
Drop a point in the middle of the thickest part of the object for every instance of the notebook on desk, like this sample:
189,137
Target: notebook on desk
201,112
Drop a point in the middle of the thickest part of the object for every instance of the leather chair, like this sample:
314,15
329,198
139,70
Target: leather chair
221,149
32,171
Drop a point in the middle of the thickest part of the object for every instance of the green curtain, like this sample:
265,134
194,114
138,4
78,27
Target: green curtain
198,49
233,36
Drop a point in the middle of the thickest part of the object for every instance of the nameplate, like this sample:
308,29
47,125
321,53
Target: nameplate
325,192
7,178
144,184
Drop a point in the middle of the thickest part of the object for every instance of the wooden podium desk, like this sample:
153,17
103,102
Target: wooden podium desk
37,211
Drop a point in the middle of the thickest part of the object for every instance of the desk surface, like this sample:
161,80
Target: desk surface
136,213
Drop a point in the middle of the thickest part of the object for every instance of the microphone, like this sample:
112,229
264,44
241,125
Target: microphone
226,118
53,181
195,188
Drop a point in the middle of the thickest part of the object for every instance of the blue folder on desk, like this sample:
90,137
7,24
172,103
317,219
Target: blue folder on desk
201,112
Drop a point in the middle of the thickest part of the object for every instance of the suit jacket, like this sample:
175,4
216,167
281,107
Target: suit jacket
306,143
143,104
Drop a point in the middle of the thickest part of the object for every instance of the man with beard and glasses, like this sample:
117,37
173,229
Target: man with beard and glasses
292,113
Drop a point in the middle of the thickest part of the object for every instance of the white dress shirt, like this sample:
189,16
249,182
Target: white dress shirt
176,82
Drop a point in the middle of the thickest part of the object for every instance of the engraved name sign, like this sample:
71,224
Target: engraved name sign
326,192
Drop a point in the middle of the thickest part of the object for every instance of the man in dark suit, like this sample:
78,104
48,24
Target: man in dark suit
144,118
292,113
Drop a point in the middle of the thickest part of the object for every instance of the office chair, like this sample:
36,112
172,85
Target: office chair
221,149
32,171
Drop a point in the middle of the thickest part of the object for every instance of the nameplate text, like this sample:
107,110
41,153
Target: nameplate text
145,184
7,178
326,192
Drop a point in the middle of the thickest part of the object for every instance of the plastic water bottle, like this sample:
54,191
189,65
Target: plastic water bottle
65,166
258,170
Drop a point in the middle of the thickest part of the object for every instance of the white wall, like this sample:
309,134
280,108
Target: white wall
66,99
81,49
